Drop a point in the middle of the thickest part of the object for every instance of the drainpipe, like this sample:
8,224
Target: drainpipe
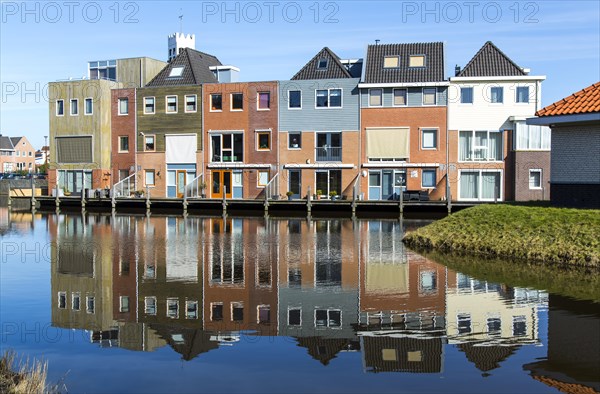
135,140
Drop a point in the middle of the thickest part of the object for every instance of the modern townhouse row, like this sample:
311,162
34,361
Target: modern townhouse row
367,127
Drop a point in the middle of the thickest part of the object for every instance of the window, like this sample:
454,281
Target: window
216,311
464,323
76,301
429,96
149,177
237,311
466,95
294,99
480,185
391,61
416,61
294,140
295,317
74,107
530,137
328,318
375,97
494,325
149,145
123,143
227,147
428,179
263,140
263,314
191,309
429,139
522,94
176,72
519,326
106,69
74,149
171,104
190,103
148,105
90,305
172,308
329,98
322,64
216,102
535,179
150,305
264,100
497,94
480,146
237,101
123,304
400,97
428,281
149,271
62,300
263,178
89,107
123,106
60,107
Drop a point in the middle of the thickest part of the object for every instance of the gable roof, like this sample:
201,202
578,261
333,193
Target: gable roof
195,69
487,358
15,140
334,70
585,101
432,72
6,143
490,61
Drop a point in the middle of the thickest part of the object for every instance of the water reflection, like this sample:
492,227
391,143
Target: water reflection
332,286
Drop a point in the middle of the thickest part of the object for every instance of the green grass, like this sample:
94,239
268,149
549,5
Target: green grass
553,236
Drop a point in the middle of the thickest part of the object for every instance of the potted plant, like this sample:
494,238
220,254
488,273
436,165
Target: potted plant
66,191
139,193
333,194
319,192
289,194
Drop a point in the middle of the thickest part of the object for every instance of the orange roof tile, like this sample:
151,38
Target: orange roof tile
582,102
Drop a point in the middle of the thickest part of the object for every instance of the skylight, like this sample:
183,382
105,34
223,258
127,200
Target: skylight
322,65
176,72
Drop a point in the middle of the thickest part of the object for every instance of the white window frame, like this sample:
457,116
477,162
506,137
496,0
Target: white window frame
435,140
212,305
329,98
474,147
167,104
195,103
222,135
121,309
62,305
288,316
461,97
119,100
148,172
191,302
327,325
434,170
63,107
211,102
259,182
153,141
423,97
405,97
288,96
299,147
527,96
231,102
85,101
76,101
153,105
258,101
479,184
380,97
171,301
87,303
73,297
538,170
119,142
146,299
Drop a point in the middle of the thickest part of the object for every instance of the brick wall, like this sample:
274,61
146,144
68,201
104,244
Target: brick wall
530,160
122,125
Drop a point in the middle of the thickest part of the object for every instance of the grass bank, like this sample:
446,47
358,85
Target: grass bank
23,377
553,236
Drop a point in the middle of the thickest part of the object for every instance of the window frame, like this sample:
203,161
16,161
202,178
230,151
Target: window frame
62,101
480,172
119,147
62,295
467,88
85,108
394,97
122,309
211,106
155,306
474,147
231,102
148,172
435,138
434,170
434,89
492,96
260,184
261,133
419,55
153,98
371,105
119,101
87,305
153,136
258,108
76,101
526,96
328,106
289,100
539,171
397,57
299,147
186,97
322,59
167,104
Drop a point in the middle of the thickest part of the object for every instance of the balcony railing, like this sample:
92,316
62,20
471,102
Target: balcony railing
328,153
125,187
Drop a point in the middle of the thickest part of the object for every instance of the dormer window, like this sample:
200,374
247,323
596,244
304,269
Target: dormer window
176,72
391,61
416,61
322,65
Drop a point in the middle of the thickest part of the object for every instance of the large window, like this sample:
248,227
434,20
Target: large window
522,94
106,69
74,149
123,106
428,178
227,147
294,99
216,102
329,147
328,98
466,95
483,185
331,318
375,97
237,101
480,146
529,137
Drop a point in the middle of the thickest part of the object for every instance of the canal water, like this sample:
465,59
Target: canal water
173,304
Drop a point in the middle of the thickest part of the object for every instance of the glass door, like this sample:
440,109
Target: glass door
295,183
221,184
181,182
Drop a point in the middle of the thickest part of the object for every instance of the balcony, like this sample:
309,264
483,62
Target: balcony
328,153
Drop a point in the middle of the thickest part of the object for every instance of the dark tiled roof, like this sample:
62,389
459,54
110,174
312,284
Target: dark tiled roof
325,349
491,62
430,351
334,69
6,143
585,101
487,358
432,72
195,70
15,140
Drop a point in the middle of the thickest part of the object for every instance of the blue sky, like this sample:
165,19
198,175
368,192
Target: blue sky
42,42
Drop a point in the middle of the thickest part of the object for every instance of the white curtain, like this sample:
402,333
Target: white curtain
490,182
495,146
464,145
535,140
480,145
468,185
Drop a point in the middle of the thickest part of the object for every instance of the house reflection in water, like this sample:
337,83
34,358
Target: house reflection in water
334,286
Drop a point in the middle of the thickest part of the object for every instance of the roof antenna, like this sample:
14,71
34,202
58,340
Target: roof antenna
180,22
377,42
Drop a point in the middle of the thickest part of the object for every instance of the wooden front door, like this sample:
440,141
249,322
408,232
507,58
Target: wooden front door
221,184
181,182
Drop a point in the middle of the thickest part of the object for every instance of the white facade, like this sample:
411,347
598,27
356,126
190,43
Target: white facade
482,113
178,41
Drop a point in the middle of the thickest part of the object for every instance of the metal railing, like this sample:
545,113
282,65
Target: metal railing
125,187
356,187
272,188
195,188
328,153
